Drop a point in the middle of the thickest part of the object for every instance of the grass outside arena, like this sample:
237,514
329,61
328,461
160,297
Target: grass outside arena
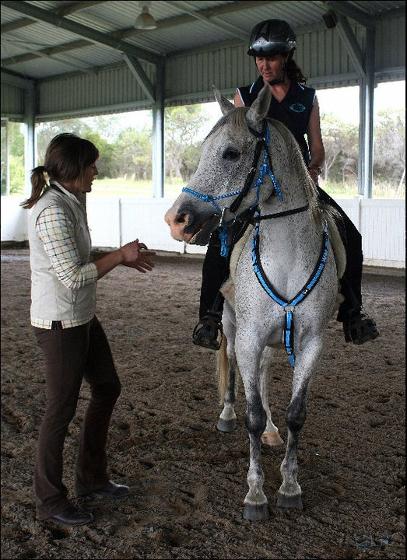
122,186
131,187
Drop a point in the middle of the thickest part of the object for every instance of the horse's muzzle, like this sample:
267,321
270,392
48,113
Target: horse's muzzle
186,225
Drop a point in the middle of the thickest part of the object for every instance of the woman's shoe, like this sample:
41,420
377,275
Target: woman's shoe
73,516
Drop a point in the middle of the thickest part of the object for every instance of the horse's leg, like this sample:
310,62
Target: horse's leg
248,358
227,372
270,435
289,493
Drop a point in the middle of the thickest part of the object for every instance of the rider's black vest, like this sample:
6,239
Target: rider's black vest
294,110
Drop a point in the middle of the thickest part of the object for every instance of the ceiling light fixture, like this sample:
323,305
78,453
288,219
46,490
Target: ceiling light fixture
145,20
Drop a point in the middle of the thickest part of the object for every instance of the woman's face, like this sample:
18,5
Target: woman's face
84,184
271,67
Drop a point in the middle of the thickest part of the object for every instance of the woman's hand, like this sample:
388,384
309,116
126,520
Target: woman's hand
136,255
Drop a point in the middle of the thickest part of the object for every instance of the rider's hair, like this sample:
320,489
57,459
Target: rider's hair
294,72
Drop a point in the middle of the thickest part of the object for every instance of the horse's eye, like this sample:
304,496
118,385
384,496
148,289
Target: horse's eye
231,153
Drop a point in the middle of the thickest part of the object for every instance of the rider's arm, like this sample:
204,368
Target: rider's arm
315,143
238,100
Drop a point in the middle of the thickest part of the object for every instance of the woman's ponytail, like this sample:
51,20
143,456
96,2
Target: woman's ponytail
66,160
38,184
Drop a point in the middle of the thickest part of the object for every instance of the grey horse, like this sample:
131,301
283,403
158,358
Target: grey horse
284,275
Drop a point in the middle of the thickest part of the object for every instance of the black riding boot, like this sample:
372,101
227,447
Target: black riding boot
215,270
358,327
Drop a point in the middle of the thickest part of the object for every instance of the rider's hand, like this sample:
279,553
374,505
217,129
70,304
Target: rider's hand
314,171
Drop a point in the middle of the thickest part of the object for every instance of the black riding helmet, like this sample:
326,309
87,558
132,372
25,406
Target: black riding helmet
272,36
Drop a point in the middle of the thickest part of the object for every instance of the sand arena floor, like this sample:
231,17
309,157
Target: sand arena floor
187,480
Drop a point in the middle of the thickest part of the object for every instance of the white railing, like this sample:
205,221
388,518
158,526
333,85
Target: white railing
117,220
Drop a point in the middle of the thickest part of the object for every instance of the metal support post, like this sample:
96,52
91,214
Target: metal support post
158,132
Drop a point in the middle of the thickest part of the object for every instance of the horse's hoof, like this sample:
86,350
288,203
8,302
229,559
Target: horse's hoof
226,425
271,438
289,502
252,512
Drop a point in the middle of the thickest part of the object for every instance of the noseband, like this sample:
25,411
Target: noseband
266,170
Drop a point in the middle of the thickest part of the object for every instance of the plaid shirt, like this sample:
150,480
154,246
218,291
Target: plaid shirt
56,231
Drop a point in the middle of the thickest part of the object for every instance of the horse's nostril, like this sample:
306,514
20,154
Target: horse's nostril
181,218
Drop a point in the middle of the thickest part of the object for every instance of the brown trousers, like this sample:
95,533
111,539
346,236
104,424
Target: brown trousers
71,355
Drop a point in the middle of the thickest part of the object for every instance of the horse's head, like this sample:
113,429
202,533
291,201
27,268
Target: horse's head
226,159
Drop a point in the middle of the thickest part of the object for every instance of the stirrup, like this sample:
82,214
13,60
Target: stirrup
360,329
206,332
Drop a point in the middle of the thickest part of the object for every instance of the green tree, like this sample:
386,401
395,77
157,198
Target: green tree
182,149
17,175
390,148
48,130
341,149
15,146
105,163
132,154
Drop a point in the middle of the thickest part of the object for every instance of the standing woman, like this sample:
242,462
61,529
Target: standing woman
272,45
63,299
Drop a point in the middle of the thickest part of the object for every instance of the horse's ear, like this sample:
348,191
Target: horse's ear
225,105
259,109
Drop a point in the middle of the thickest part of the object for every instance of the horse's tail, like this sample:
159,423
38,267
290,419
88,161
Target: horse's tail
222,369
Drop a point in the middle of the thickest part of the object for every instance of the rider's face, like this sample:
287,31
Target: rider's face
271,67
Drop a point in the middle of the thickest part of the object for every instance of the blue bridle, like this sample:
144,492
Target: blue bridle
266,171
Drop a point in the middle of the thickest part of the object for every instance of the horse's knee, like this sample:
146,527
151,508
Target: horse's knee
296,414
256,417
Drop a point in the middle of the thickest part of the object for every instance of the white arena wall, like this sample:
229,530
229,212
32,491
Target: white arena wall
114,221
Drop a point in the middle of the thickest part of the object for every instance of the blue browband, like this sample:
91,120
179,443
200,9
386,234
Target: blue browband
264,171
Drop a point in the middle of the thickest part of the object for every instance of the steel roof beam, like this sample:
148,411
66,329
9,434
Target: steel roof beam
71,63
49,51
138,72
81,30
16,80
224,26
17,24
75,7
64,11
345,8
351,44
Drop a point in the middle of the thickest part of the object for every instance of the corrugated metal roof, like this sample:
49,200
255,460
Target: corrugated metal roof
376,8
77,75
119,16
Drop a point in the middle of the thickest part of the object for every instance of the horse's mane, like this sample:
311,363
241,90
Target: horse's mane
237,119
311,190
